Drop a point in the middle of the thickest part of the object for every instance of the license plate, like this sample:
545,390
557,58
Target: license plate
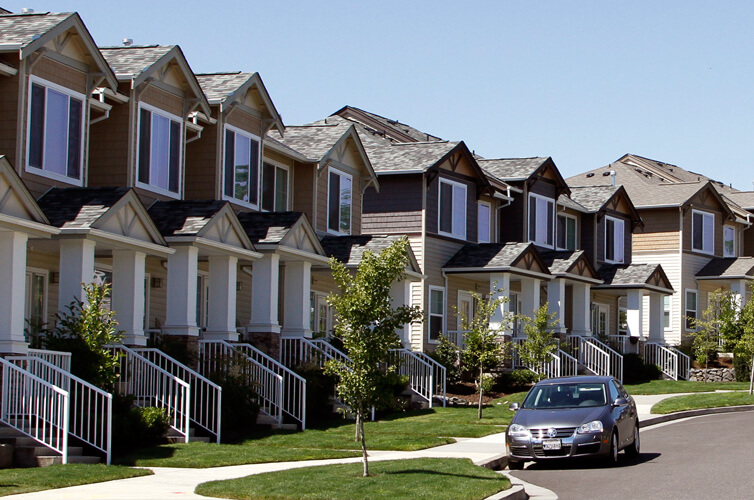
551,444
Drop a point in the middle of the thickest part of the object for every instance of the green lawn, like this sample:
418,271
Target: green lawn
390,480
696,401
671,386
13,481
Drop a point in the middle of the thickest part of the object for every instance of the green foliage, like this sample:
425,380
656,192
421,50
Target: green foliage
515,381
84,329
240,407
635,371
135,426
539,344
320,388
705,341
448,355
366,323
390,390
742,365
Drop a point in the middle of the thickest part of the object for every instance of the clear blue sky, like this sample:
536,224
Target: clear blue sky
583,82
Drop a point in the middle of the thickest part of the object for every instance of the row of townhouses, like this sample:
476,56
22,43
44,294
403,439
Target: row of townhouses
214,221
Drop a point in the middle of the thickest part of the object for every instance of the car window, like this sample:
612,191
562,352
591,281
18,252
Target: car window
571,395
622,390
614,394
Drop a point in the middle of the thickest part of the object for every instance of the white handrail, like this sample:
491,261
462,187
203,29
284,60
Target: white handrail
220,357
35,407
154,386
91,408
60,359
569,365
419,372
297,350
439,375
670,360
206,396
616,358
591,356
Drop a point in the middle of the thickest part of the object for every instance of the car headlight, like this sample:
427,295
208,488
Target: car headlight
593,426
517,430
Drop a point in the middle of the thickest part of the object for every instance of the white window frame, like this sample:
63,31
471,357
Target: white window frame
705,216
172,117
202,303
528,221
455,234
686,308
251,137
479,221
597,306
430,313
575,231
287,186
618,237
33,79
668,310
726,228
30,272
333,170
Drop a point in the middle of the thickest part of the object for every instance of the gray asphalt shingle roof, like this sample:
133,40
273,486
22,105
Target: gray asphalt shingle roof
218,86
183,218
132,60
78,208
403,128
592,198
313,140
559,262
268,227
22,29
731,267
487,255
508,169
627,275
743,199
350,249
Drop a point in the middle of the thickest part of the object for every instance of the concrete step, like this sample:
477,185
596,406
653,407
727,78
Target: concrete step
46,461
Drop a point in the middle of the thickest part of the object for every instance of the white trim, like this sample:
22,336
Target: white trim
669,311
452,234
330,170
725,252
528,219
575,231
704,215
597,307
432,288
616,239
287,168
686,308
251,137
489,222
148,187
30,272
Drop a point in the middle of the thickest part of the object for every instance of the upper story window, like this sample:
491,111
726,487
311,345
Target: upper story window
703,231
160,150
436,312
614,240
484,225
691,309
729,241
56,131
339,202
666,305
541,218
566,232
241,166
452,209
274,188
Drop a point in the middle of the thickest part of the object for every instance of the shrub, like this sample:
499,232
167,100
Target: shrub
742,365
391,386
135,427
240,407
515,381
635,371
447,354
320,388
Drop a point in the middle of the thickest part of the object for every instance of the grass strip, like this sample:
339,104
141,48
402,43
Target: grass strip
655,387
697,401
14,481
434,478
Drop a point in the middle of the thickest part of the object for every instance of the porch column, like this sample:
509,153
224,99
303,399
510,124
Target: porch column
297,310
181,290
656,317
582,293
738,289
13,292
556,303
634,312
500,285
128,294
221,320
401,296
265,285
76,267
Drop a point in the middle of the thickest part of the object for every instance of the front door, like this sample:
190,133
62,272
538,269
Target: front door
600,317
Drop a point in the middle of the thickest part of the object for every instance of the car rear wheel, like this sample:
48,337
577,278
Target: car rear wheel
633,450
515,464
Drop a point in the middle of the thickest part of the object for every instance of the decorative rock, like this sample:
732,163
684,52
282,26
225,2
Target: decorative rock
712,375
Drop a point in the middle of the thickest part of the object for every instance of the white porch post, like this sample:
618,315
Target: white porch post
128,294
221,321
738,289
500,286
582,294
556,303
529,296
298,285
400,294
12,291
265,285
76,267
634,312
181,290
656,317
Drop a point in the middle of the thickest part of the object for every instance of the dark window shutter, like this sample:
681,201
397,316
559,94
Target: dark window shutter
609,239
697,232
230,168
333,209
550,223
532,218
446,207
268,187
145,139
36,126
74,139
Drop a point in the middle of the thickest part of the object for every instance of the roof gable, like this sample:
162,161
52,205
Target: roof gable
707,195
225,228
350,150
15,198
129,218
229,89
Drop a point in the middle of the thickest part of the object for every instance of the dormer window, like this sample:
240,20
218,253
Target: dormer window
241,166
274,188
729,241
56,131
614,240
452,209
160,138
541,220
703,232
339,202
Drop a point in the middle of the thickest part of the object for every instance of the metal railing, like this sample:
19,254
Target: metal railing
218,358
597,357
561,364
60,359
35,407
456,337
670,360
297,350
439,375
569,365
420,373
153,386
205,408
90,408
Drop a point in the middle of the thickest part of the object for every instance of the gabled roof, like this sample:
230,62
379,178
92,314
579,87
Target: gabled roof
281,229
27,33
399,132
728,268
650,276
497,257
522,169
350,249
744,199
137,63
597,198
224,89
18,209
573,264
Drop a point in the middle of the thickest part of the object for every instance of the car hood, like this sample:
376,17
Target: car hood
566,417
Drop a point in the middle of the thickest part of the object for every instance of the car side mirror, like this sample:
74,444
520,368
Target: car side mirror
620,402
514,407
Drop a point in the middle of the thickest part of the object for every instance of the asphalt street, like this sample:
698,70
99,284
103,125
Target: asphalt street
701,457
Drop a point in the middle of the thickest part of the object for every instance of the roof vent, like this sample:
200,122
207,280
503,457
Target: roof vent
27,10
591,174
128,42
605,174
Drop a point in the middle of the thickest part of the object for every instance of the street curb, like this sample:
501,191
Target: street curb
693,413
515,492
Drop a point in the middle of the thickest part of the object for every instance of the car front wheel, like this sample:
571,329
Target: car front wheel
613,455
633,450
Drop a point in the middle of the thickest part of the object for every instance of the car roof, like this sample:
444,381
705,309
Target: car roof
588,379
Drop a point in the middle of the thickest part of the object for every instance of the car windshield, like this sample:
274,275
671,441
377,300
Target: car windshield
566,396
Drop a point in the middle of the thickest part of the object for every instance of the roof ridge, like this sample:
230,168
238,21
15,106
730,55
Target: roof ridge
221,73
124,47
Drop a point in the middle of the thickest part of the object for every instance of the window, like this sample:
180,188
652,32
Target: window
202,300
600,319
36,300
622,316
691,308
275,188
452,209
160,139
541,217
484,225
666,312
321,315
436,312
241,166
729,241
703,231
566,232
614,238
339,203
56,131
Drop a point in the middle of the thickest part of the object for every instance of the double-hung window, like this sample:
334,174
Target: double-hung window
666,311
614,240
339,202
36,300
452,209
566,232
241,166
691,309
160,140
703,231
436,312
541,220
274,188
484,224
56,131
729,241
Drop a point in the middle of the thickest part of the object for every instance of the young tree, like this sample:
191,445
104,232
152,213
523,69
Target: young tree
484,346
744,345
706,337
539,344
366,322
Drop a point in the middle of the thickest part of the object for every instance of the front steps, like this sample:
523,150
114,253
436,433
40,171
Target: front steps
28,452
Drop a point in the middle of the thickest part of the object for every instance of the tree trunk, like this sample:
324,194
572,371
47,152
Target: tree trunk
481,390
363,447
357,433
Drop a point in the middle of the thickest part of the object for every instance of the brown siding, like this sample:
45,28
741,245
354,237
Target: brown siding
244,121
397,208
748,242
108,147
201,165
61,74
164,100
433,194
512,223
304,178
600,238
719,223
586,231
9,128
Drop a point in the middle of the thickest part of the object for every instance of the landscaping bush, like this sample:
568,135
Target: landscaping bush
515,381
320,388
391,387
447,354
240,407
635,371
742,365
136,427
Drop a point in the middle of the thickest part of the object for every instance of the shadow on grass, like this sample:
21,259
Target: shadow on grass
436,473
155,452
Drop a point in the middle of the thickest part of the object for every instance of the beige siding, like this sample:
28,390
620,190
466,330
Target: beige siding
417,327
671,264
157,296
649,242
49,263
